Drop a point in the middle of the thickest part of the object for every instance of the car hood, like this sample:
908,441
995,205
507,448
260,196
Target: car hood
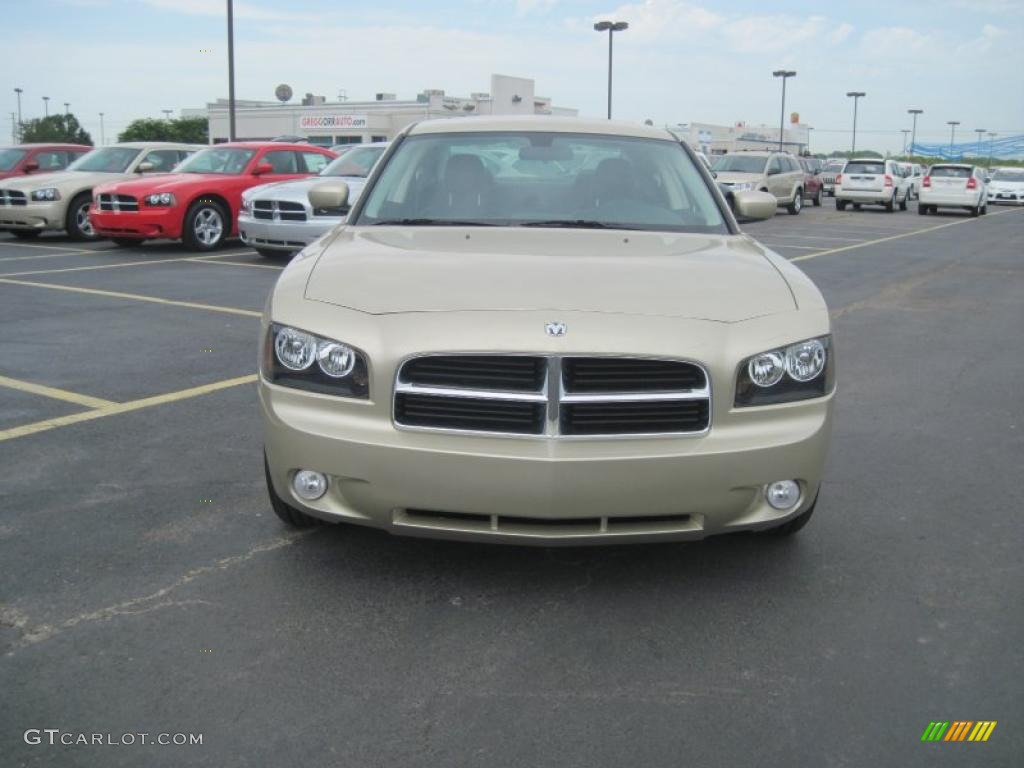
163,182
63,180
298,190
456,269
734,177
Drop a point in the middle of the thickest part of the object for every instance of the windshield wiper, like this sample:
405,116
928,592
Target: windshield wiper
575,224
432,223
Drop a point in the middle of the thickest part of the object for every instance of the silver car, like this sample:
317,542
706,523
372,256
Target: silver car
278,219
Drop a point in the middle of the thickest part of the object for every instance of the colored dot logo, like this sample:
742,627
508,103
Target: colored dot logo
206,650
206,501
206,350
206,50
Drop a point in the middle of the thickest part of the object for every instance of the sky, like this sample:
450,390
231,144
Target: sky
678,62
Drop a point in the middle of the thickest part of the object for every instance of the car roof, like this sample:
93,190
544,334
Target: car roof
54,144
153,145
361,144
539,123
261,144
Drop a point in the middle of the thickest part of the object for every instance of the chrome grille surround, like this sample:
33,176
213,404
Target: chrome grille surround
553,395
12,197
278,210
118,203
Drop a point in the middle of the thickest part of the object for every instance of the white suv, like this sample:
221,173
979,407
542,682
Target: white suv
954,185
871,181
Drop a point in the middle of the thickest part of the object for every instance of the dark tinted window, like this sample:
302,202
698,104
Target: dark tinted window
950,171
51,159
865,166
282,161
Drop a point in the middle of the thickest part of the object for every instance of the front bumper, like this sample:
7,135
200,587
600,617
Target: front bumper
283,235
38,216
1011,198
545,490
144,223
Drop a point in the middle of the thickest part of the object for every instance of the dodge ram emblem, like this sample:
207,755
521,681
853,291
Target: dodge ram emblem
555,329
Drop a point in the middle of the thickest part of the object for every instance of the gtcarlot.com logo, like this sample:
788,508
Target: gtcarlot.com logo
55,736
958,730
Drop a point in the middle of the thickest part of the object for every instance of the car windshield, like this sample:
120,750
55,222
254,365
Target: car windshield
740,164
540,179
950,171
354,162
106,160
1017,176
834,166
866,166
217,160
10,158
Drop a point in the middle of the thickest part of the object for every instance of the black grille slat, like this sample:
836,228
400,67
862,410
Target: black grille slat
475,414
634,418
497,373
586,375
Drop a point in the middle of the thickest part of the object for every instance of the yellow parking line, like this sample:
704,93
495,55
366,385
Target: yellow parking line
843,248
18,244
46,255
204,260
116,408
91,267
134,297
55,393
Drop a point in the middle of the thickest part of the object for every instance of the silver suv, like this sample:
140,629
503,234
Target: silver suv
777,173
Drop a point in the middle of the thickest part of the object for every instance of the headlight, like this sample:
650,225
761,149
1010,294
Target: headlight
162,198
744,187
246,206
798,372
294,358
46,194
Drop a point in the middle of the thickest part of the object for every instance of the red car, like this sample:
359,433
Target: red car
198,202
20,159
814,188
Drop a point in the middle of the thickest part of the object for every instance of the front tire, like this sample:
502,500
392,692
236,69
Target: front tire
891,205
797,204
840,205
817,198
903,202
206,226
288,514
76,221
922,210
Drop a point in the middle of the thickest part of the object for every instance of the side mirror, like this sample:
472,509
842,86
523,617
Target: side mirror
988,179
30,167
329,195
754,205
145,167
262,168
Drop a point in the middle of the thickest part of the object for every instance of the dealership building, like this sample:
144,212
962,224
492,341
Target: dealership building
721,139
352,122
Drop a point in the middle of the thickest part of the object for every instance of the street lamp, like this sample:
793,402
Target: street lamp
611,27
167,114
979,131
46,106
913,132
231,71
857,96
991,137
67,107
904,131
784,74
952,133
19,91
103,140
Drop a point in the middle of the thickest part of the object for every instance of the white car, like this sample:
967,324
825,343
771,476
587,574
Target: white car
1006,185
953,185
912,175
871,181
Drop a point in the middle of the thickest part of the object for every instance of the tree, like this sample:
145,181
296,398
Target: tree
189,130
55,128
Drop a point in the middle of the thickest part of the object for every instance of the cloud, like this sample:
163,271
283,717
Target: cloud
524,7
840,33
664,20
755,34
242,11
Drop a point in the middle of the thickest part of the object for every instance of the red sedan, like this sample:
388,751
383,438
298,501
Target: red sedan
198,203
38,158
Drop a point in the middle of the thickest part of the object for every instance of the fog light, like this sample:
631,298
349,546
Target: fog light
309,485
783,494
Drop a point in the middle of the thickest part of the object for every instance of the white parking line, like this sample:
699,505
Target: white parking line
17,244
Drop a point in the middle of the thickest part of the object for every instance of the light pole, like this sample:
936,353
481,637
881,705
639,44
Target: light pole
784,74
952,133
611,27
857,96
167,114
103,140
231,70
904,131
67,107
979,131
991,138
913,132
19,91
46,106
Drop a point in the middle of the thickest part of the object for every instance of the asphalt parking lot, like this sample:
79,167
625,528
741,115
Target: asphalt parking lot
148,587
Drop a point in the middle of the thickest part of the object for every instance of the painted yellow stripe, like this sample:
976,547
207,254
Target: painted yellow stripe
203,260
900,236
133,297
148,262
55,393
978,729
46,255
18,244
988,731
116,408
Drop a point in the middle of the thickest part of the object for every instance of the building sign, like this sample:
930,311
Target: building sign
333,122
